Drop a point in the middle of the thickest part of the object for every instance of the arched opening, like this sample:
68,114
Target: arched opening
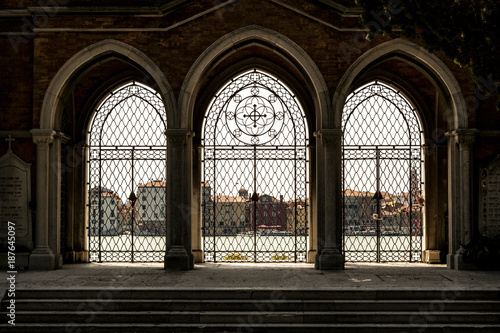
127,165
255,165
382,176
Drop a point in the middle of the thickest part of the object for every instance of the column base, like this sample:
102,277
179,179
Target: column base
450,261
331,259
76,256
58,260
459,263
42,259
431,256
311,256
177,258
198,256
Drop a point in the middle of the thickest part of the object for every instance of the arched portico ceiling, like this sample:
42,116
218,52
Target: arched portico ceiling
106,48
232,41
442,74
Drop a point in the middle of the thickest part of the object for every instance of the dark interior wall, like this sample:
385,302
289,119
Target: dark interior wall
30,61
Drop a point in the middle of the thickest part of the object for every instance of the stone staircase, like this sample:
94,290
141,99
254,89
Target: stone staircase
253,310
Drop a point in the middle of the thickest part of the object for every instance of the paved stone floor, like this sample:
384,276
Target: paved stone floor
250,275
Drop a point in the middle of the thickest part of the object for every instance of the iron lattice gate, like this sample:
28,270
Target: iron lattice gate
127,168
382,162
254,193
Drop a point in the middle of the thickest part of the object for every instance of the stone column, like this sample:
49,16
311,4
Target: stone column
431,253
196,206
465,139
42,256
179,214
331,255
311,253
454,215
55,172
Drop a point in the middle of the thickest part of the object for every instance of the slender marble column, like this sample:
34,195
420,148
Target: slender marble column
331,255
42,256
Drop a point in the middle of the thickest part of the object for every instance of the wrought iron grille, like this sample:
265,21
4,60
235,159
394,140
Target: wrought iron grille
127,167
255,168
382,172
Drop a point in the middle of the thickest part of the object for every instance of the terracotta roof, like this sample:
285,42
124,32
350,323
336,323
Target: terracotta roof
155,183
228,198
110,194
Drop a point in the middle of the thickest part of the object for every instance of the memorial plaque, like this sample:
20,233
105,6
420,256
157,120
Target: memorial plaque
15,196
489,200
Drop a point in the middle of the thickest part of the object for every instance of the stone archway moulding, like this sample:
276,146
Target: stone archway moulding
423,57
48,167
189,89
60,81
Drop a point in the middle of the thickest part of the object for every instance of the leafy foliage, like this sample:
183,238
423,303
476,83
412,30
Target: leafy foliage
467,31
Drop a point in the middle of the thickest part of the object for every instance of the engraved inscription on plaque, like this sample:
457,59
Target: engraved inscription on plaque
489,208
15,195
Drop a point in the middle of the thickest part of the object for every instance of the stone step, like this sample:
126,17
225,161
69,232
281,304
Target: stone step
254,328
210,294
259,317
251,305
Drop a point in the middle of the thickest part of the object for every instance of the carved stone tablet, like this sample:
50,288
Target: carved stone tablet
489,199
15,196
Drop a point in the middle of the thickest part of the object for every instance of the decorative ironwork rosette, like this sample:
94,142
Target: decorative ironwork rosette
254,119
254,109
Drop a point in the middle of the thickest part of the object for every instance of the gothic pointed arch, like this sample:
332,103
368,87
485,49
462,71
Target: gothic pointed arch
90,56
438,71
237,40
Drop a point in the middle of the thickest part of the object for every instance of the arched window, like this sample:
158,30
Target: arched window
255,166
127,172
382,176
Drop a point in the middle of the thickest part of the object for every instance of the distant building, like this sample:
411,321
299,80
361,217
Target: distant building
125,215
360,207
151,208
207,206
103,212
229,214
270,214
297,215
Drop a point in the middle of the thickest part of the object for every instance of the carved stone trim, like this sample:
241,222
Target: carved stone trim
178,136
465,137
329,136
42,136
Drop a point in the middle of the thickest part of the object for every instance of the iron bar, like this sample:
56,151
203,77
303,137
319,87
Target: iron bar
133,209
255,132
382,138
121,136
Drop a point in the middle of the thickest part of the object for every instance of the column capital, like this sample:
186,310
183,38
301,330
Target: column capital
61,136
329,135
464,137
178,135
42,136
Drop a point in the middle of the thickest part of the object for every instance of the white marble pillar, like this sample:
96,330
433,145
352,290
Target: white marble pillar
42,256
331,256
179,214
